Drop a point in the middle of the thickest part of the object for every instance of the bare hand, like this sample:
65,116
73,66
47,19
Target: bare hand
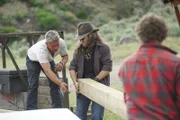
59,67
76,85
64,88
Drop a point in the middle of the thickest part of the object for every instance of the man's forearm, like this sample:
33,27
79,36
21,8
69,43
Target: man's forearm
64,59
47,70
53,77
102,74
73,75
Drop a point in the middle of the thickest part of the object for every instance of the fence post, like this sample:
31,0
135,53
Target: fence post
66,95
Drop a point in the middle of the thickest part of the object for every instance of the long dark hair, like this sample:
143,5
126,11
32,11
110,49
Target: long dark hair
93,41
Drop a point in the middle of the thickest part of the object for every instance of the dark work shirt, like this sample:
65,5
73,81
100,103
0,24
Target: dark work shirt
89,66
102,61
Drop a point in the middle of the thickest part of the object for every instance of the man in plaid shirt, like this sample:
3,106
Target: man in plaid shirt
151,76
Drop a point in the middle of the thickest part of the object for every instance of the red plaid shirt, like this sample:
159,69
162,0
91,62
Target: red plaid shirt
151,81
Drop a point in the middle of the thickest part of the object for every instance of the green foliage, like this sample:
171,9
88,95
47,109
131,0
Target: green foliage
168,14
82,13
36,3
19,48
2,2
7,20
166,11
68,17
124,8
53,1
20,16
70,42
174,30
99,20
114,30
47,20
8,29
63,7
127,8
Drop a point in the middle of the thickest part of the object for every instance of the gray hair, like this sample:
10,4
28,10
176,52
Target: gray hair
51,36
151,28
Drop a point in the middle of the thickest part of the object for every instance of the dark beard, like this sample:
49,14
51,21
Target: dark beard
87,51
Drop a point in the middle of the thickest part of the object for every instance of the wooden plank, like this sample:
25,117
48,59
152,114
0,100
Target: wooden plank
5,35
41,114
108,97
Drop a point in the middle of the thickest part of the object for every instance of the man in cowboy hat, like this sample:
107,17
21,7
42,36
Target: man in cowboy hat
92,59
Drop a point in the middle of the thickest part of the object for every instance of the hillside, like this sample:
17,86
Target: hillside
29,15
116,19
20,15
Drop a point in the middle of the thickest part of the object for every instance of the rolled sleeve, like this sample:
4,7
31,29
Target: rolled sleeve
106,59
73,64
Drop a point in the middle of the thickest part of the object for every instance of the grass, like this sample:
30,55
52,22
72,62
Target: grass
108,115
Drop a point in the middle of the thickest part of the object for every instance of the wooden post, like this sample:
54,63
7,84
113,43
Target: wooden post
177,13
3,47
66,96
16,66
29,39
108,97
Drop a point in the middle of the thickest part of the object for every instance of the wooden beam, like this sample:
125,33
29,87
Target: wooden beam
108,97
33,33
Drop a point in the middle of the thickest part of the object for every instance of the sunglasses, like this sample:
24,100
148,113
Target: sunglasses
84,37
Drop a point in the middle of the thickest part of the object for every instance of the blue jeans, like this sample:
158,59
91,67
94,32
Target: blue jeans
82,105
34,69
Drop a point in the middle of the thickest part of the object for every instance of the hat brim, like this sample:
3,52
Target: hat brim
79,37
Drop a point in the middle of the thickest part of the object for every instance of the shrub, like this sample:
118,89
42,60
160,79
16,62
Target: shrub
68,17
124,8
99,20
19,48
7,20
174,30
22,51
36,3
63,7
2,2
82,13
20,16
47,20
8,29
53,1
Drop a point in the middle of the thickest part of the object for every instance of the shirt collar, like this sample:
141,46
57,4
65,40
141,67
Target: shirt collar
99,43
158,46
